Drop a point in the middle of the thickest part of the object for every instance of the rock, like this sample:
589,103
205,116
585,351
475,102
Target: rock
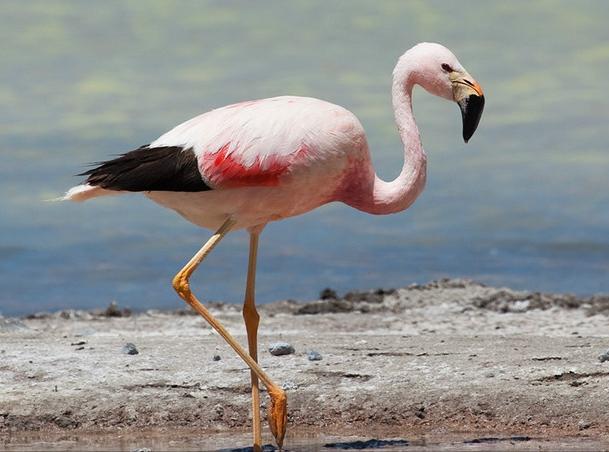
369,296
604,356
39,315
73,314
142,449
218,411
114,311
289,386
130,349
314,356
327,306
65,422
362,301
281,348
217,358
420,412
328,294
583,424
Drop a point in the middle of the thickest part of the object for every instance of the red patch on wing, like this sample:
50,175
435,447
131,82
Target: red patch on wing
225,171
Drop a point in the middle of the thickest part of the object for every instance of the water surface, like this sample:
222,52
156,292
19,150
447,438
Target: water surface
525,204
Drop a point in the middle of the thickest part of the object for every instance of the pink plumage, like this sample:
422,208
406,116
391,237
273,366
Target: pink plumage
244,165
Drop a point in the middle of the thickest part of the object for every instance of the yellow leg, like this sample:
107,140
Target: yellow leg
252,319
277,414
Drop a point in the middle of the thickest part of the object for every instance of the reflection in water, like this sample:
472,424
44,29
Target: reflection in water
309,441
525,204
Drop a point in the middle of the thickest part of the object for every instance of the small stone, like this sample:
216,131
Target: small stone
420,412
64,421
130,349
218,411
114,311
281,348
314,356
217,358
604,357
142,449
328,294
489,374
583,424
289,386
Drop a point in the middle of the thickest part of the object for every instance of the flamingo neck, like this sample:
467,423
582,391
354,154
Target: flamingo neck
381,197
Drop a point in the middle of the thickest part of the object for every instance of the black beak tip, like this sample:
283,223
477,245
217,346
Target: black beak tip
471,112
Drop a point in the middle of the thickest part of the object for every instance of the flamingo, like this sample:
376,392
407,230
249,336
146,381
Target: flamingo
247,164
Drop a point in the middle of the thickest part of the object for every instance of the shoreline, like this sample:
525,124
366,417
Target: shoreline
445,357
329,301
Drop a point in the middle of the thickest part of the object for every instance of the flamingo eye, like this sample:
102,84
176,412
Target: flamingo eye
447,68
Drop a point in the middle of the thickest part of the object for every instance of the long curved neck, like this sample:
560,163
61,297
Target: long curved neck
381,197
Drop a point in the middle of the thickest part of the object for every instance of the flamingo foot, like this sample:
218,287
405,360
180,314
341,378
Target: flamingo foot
278,414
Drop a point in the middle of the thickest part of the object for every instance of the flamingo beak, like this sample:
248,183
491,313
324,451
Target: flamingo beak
470,98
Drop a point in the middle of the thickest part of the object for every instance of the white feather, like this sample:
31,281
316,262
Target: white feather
84,192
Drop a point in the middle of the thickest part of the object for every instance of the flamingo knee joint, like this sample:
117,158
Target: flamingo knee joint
181,285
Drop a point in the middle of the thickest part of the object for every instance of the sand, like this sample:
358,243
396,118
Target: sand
437,364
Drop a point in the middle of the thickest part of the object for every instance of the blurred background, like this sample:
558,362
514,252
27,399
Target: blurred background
525,204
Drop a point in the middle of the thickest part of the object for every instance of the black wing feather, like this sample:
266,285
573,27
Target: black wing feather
168,168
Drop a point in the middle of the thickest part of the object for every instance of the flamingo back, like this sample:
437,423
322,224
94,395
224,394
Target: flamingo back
261,142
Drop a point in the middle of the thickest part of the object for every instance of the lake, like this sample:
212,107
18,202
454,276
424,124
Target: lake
525,204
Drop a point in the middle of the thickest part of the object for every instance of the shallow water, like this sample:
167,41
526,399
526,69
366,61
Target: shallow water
303,441
525,204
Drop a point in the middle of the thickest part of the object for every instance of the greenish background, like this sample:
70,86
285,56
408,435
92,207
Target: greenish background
525,204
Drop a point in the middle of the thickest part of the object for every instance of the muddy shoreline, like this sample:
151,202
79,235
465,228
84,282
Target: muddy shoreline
447,357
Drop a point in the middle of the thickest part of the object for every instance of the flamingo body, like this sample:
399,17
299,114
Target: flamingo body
261,177
263,160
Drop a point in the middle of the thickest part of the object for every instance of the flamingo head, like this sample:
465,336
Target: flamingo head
438,71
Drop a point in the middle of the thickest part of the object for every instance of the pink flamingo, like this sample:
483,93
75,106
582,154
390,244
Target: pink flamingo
244,165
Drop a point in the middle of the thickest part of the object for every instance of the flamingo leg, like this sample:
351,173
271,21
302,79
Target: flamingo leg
277,413
252,319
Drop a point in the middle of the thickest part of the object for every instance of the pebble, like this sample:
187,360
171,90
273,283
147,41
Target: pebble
328,294
583,424
64,421
289,386
314,356
217,358
604,357
114,311
142,449
281,348
130,349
